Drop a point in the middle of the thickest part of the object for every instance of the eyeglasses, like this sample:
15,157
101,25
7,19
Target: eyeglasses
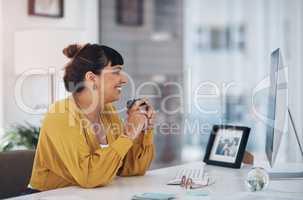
188,183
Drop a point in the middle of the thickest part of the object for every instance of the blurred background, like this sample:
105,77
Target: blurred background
199,61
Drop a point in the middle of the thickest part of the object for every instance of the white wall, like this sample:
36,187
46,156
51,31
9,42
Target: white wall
301,65
243,69
78,15
1,68
293,16
225,66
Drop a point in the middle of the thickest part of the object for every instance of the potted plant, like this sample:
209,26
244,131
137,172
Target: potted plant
20,137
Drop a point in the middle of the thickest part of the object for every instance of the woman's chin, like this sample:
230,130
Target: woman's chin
116,97
113,96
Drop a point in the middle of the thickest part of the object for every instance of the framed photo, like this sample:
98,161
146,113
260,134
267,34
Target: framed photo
129,12
46,8
226,145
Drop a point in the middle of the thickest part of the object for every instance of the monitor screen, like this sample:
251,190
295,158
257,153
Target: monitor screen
277,109
271,104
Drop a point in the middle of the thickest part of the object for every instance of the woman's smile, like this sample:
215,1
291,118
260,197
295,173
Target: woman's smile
119,87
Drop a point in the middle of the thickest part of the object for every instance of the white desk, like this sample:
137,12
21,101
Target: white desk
229,182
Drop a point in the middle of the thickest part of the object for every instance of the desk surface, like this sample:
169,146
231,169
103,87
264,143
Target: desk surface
229,182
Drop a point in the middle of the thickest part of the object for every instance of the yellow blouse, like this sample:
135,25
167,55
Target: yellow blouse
68,152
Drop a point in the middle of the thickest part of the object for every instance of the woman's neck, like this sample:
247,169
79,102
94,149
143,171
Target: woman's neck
91,109
90,105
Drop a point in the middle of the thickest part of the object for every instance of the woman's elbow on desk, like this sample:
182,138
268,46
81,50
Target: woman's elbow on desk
93,180
132,173
139,166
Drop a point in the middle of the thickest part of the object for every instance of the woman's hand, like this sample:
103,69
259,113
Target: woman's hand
141,117
137,120
151,115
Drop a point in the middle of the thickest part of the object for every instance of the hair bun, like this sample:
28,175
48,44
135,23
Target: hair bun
71,50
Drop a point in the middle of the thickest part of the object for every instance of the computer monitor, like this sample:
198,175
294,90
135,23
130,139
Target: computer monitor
279,115
277,106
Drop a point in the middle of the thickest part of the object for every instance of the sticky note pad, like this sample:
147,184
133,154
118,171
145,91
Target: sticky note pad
154,196
197,193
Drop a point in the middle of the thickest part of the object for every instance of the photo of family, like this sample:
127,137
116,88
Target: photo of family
228,146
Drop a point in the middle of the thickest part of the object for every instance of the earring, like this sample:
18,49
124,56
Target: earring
94,87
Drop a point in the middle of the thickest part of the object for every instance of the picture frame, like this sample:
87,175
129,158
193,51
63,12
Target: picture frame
226,145
46,8
129,12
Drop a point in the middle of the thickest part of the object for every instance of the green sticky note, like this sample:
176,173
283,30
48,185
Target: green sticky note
154,196
197,193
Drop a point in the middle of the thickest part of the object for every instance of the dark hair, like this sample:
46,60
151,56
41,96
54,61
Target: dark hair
90,57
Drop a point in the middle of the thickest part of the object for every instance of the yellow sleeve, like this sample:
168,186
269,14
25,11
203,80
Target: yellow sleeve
139,157
68,155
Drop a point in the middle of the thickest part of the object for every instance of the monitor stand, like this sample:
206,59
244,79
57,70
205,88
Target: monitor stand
293,173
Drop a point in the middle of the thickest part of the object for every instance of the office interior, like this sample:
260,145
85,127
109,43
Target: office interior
200,62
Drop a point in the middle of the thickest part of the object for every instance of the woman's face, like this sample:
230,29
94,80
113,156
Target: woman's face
110,83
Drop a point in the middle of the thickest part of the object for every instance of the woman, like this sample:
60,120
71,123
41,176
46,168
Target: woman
82,140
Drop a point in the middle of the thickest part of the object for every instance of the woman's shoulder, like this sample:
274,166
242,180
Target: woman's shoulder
60,117
59,111
59,107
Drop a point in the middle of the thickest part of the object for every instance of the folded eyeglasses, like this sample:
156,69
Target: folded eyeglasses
188,183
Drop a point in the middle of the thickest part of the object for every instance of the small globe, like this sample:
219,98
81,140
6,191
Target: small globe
257,179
